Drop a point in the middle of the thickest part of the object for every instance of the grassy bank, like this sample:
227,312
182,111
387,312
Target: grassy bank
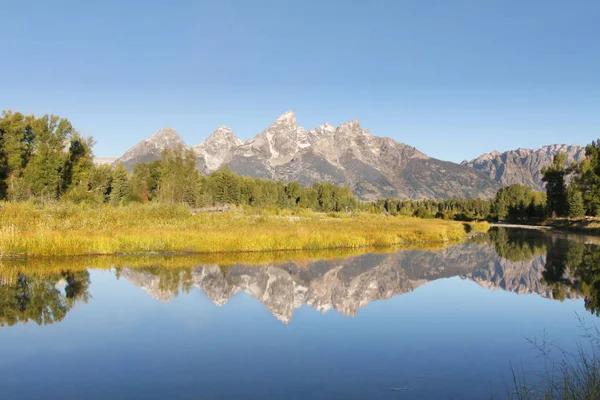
588,225
68,230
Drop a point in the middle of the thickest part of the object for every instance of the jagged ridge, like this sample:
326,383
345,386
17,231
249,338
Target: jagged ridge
374,167
523,166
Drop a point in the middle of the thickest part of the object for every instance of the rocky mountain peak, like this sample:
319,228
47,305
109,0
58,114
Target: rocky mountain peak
150,149
287,116
166,138
217,148
284,138
572,150
165,132
284,124
350,127
323,130
224,134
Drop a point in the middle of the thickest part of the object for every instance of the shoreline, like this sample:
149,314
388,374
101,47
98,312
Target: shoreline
587,226
521,226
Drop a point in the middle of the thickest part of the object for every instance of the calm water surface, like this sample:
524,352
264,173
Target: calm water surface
443,324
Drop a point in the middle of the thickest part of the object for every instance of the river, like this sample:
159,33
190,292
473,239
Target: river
408,324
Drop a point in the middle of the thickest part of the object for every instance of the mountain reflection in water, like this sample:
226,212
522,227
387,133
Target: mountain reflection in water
524,262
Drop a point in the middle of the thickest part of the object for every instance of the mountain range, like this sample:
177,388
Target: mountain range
374,167
523,166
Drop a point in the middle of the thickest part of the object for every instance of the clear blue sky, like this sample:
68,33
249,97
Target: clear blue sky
453,78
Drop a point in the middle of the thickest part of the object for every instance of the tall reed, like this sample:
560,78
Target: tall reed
574,376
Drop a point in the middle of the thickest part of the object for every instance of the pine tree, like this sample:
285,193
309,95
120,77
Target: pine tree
120,185
556,190
575,200
227,187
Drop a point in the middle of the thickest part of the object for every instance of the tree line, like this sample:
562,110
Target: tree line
45,159
175,179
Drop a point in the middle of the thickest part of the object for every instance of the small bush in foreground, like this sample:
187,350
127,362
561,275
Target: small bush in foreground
576,377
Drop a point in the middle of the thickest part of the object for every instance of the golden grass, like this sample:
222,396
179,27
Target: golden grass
69,230
478,227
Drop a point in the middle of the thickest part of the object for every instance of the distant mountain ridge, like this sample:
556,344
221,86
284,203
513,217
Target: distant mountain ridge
374,167
104,160
523,166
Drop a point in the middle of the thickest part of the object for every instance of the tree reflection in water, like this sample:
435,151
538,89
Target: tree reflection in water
42,298
572,261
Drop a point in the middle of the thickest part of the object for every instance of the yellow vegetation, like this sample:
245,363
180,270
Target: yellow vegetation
69,230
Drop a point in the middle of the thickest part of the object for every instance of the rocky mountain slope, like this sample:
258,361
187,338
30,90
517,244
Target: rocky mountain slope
216,150
151,149
523,166
346,285
104,160
374,167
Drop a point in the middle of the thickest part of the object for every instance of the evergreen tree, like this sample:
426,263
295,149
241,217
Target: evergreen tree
587,178
227,186
556,190
575,200
119,185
